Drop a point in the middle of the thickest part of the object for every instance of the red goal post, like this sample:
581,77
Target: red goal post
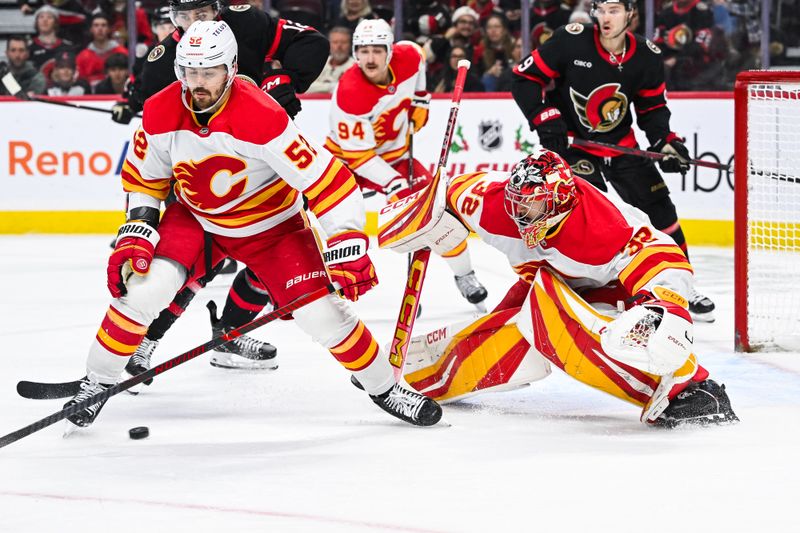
767,211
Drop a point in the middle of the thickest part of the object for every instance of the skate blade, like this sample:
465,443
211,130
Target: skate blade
69,429
703,317
243,366
481,307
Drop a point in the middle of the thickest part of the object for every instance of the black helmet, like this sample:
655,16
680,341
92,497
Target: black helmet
161,14
630,5
176,6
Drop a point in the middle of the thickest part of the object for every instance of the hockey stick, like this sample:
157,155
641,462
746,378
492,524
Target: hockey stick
35,390
419,260
14,89
644,153
169,364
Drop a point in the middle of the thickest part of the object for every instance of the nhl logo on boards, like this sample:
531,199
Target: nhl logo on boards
155,53
490,134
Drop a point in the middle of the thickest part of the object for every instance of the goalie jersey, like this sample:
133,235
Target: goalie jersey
240,174
370,123
598,242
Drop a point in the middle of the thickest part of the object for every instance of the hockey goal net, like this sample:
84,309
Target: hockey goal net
767,211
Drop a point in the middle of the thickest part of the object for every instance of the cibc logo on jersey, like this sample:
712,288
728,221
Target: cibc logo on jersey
602,110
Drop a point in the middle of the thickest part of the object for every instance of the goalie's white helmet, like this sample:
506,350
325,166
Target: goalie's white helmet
376,32
207,43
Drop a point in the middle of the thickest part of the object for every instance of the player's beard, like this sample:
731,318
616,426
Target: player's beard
202,98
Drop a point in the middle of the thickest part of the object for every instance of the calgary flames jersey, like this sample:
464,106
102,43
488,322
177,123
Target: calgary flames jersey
239,175
593,90
600,241
370,123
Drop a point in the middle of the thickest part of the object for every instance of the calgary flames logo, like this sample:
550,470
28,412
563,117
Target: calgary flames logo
211,182
603,109
385,126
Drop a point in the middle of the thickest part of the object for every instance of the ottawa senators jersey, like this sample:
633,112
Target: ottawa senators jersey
599,241
301,50
684,28
593,90
370,123
239,175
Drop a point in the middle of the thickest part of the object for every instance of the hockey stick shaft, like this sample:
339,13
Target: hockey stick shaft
419,260
169,364
643,153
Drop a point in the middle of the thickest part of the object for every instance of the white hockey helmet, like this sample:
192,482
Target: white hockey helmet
207,43
376,32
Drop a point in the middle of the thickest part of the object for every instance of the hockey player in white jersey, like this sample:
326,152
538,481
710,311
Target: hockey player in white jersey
378,104
571,246
240,166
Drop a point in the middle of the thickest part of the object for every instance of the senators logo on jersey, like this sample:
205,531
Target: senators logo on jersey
211,182
604,108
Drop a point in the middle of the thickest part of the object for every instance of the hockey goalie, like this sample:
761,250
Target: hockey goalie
599,296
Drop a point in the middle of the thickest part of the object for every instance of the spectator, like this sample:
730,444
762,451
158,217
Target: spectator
116,75
64,80
47,44
464,33
339,60
430,17
117,11
91,61
27,75
546,17
494,50
506,77
353,12
484,9
445,80
692,60
71,16
162,25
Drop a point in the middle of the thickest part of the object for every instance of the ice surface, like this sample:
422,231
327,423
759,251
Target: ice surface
300,449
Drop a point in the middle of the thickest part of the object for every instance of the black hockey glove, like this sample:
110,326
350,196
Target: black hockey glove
122,113
552,130
678,157
279,86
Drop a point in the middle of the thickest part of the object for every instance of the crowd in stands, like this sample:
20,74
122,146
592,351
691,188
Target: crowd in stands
79,47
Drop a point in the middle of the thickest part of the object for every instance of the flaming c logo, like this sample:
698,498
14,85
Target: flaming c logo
603,109
211,182
385,127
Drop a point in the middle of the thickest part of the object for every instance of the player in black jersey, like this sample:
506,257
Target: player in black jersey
598,72
262,42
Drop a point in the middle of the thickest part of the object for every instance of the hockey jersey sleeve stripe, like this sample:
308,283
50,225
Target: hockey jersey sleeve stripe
276,41
530,77
113,345
646,253
546,70
337,184
649,93
125,323
459,185
659,267
328,179
644,111
132,181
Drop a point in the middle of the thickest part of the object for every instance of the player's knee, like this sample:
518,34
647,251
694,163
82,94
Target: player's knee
148,295
328,320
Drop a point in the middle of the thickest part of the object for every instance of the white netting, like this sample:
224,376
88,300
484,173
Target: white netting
773,207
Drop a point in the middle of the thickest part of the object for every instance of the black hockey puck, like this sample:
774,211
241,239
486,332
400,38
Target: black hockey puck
139,433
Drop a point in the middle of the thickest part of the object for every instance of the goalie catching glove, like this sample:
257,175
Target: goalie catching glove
349,265
655,336
133,253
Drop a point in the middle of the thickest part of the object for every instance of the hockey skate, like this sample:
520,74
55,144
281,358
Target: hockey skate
700,404
409,406
701,307
85,417
140,362
243,352
472,290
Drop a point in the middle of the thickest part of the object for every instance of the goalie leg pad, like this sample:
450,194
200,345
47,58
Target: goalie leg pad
562,327
462,360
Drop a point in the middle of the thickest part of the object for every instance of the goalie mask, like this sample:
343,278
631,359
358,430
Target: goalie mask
539,194
206,44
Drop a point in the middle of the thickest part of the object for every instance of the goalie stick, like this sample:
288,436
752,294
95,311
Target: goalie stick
415,211
169,364
644,153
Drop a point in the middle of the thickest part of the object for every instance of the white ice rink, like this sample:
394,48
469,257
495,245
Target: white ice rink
300,449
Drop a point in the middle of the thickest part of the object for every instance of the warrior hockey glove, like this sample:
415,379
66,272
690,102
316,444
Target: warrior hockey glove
279,86
136,244
552,130
678,157
122,113
349,265
420,108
